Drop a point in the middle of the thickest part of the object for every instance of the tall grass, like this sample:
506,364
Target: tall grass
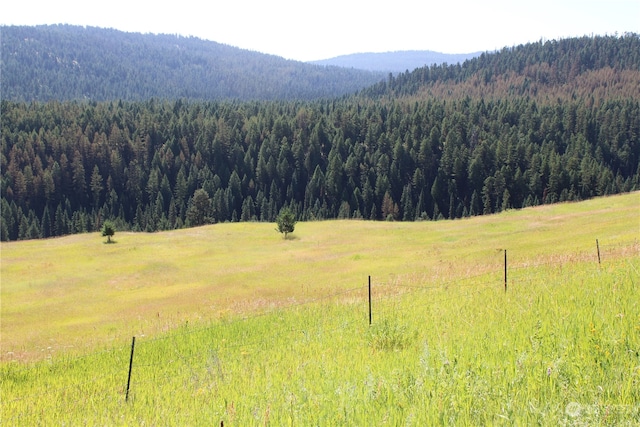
564,348
447,344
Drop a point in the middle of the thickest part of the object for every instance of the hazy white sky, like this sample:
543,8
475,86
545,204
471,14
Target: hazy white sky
322,29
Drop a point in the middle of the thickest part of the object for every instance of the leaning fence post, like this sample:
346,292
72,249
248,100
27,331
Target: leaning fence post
505,270
133,344
598,248
369,300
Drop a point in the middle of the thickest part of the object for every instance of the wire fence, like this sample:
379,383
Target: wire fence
155,367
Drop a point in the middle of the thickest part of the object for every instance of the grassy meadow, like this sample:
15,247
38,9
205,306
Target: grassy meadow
233,323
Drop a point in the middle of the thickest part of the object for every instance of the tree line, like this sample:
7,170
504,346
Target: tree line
157,165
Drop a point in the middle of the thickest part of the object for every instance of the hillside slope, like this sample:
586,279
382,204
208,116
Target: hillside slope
592,68
63,62
441,142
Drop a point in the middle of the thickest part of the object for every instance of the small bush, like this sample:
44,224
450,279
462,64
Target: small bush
390,336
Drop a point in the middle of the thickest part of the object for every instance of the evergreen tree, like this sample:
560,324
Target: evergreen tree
108,230
286,222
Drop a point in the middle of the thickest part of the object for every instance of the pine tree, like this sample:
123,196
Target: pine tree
286,222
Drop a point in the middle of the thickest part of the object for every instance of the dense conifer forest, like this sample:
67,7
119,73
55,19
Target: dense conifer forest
534,124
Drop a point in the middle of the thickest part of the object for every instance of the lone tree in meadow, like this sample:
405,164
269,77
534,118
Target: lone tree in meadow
286,221
108,230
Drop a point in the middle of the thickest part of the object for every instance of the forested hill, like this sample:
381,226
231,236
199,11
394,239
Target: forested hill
63,62
585,67
535,124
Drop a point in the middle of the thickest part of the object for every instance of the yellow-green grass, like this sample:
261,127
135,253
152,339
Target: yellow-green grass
561,350
77,293
447,345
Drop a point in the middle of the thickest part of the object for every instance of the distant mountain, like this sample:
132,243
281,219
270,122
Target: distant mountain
395,62
63,62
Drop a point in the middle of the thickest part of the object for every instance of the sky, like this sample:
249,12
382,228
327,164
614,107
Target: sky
307,31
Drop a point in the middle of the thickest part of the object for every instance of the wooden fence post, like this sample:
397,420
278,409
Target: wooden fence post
598,248
505,270
133,345
369,300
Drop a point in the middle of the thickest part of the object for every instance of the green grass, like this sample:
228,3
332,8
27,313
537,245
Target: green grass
235,324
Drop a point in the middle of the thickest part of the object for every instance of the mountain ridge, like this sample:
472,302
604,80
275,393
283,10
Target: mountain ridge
65,62
395,61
